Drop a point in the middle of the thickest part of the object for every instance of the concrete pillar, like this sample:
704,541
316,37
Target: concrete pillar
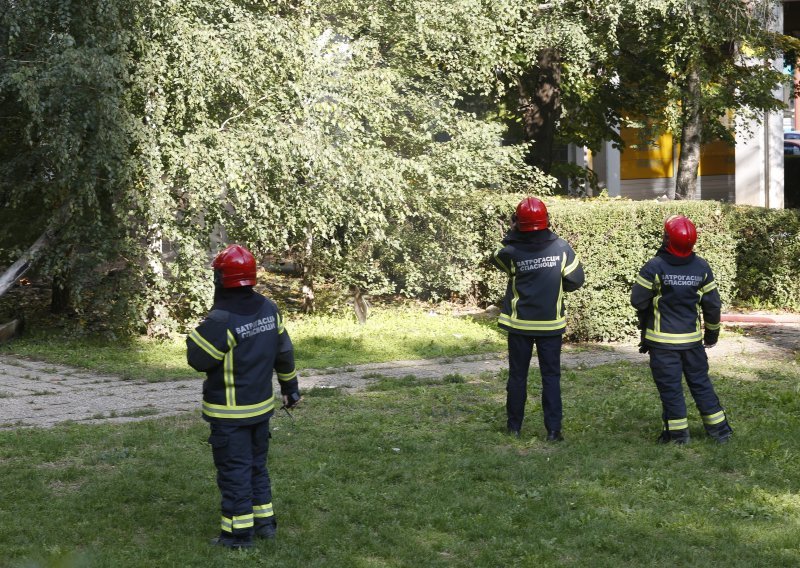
797,99
607,167
759,149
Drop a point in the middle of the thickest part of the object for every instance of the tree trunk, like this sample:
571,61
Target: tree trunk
308,273
691,138
540,103
23,263
60,294
157,311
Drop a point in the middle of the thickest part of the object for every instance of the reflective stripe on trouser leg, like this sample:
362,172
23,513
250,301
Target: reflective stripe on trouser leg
263,514
713,419
237,523
667,370
548,353
233,460
262,488
677,424
520,349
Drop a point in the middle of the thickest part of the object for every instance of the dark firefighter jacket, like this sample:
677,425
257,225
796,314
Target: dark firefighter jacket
541,267
669,293
238,345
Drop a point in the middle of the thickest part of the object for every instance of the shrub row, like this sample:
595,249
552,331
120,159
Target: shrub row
755,254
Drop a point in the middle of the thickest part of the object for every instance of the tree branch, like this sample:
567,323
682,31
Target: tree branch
23,263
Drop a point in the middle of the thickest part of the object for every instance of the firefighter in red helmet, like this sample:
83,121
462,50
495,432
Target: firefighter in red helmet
238,345
669,293
541,267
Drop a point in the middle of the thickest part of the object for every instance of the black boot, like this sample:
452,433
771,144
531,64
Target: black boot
679,437
268,530
721,432
554,436
232,541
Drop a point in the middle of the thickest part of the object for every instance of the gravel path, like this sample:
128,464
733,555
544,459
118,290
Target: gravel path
35,394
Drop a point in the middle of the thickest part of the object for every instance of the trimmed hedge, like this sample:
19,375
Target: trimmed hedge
755,255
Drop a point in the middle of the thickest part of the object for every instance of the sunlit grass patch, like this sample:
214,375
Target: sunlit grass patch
424,475
320,341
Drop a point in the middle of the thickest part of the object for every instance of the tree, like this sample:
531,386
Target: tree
688,65
268,124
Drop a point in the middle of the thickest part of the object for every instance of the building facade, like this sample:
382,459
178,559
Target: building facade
751,172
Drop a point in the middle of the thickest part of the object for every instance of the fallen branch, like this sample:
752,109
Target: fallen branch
23,263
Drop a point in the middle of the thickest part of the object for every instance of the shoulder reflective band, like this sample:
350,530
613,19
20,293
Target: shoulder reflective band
206,346
571,268
640,280
500,262
708,287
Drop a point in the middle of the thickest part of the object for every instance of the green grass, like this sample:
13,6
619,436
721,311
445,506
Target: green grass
421,474
320,341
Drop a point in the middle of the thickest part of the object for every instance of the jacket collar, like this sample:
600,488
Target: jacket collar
517,236
672,259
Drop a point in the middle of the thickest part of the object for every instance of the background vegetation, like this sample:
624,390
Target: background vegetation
139,137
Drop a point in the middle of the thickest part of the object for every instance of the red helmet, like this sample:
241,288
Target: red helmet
680,235
532,215
236,266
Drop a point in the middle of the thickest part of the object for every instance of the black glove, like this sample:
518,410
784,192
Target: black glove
292,399
711,337
643,347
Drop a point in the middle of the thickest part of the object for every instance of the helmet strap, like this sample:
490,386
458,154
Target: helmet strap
217,279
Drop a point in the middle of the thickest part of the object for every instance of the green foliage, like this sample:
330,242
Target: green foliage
768,256
614,239
754,254
162,124
424,475
366,140
725,42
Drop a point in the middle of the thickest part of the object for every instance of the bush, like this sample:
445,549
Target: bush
754,254
767,256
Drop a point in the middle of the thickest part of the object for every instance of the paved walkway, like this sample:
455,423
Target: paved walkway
35,394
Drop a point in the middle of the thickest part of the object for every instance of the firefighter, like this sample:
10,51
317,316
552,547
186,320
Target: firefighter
238,345
669,293
541,267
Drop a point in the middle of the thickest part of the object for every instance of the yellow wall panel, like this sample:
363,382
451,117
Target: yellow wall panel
646,161
717,158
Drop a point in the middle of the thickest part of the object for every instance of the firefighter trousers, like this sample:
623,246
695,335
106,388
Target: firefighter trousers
548,352
240,456
668,368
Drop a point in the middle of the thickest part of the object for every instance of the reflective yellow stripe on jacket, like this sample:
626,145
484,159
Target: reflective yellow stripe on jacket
531,325
228,376
673,338
206,346
241,411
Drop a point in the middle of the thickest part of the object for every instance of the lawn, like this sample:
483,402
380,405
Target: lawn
415,473
390,334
